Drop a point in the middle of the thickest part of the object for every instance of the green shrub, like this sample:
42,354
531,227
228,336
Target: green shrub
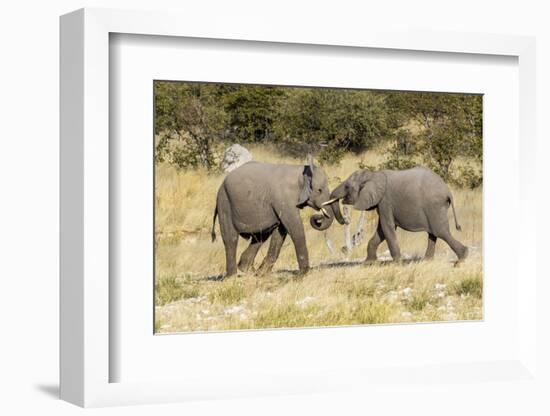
418,301
230,293
472,286
467,177
170,289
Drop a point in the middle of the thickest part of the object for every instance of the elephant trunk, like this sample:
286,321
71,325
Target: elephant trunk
335,207
337,194
321,222
332,208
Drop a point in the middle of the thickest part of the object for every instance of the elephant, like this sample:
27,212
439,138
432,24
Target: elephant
414,199
258,200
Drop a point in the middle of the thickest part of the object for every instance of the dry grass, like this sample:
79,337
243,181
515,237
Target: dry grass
339,290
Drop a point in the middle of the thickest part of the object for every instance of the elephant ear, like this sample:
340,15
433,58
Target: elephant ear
307,187
372,191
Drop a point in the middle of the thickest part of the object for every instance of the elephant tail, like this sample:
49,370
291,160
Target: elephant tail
457,225
213,233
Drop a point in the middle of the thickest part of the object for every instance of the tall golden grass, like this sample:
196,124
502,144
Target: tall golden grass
339,290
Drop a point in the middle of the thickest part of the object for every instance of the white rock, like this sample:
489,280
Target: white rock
304,301
233,309
235,156
406,292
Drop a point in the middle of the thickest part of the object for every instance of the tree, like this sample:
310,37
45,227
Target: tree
251,110
440,127
193,115
331,121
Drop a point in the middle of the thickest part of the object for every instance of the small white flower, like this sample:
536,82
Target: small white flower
440,286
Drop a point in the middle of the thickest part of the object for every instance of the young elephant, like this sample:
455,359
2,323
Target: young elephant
414,199
259,200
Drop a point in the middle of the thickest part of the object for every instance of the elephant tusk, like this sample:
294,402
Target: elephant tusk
325,213
330,201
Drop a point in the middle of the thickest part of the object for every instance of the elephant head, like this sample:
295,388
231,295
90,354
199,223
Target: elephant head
315,194
363,189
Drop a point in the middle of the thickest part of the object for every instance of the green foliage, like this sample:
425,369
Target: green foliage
402,151
192,114
435,130
252,110
170,289
195,121
468,177
470,286
330,122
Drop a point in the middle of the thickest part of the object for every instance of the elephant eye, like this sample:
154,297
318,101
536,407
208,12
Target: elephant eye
320,190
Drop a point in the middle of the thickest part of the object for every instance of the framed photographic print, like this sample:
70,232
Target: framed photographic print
245,215
252,157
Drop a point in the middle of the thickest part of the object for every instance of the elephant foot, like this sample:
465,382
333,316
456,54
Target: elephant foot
371,260
303,271
228,274
246,269
462,256
263,270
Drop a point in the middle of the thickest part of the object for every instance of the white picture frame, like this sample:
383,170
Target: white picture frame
85,182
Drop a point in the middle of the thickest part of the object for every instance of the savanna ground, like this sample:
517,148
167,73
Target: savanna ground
339,290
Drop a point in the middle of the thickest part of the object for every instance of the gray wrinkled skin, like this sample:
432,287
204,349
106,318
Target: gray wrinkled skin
414,199
259,200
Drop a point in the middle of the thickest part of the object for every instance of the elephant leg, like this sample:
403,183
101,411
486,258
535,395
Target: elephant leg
440,228
430,251
248,256
374,242
275,244
294,226
388,229
460,249
230,236
230,240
